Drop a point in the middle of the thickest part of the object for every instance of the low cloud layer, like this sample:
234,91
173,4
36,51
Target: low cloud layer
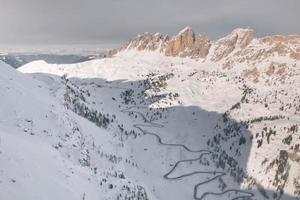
39,22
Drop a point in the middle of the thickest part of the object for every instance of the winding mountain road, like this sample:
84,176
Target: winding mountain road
202,152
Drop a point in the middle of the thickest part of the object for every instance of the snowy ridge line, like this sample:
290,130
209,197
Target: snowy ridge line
244,194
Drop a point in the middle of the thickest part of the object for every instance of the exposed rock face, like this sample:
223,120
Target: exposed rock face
186,44
147,41
240,46
292,39
245,36
238,39
283,45
253,74
295,55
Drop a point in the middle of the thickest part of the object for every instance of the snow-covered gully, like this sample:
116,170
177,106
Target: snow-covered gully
202,152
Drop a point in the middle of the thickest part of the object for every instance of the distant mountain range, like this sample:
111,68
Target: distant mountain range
19,59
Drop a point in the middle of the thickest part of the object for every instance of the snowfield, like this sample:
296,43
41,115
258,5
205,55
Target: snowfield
45,149
141,125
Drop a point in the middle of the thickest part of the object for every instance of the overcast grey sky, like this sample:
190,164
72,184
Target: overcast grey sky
38,22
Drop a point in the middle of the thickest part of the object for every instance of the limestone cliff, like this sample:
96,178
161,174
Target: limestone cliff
240,46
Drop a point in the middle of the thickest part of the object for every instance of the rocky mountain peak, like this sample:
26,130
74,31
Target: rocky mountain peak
187,33
146,41
244,36
186,44
239,46
237,39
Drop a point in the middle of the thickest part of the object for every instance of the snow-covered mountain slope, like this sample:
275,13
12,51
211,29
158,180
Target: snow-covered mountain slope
164,118
49,152
187,124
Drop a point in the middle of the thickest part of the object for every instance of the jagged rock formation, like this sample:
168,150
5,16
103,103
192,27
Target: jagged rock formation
186,44
238,39
240,46
147,41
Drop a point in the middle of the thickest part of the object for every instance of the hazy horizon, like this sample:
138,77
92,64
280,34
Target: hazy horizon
75,22
55,48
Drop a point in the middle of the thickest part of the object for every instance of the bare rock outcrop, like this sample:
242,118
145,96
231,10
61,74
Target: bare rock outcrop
283,45
240,46
147,41
151,42
186,44
238,39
